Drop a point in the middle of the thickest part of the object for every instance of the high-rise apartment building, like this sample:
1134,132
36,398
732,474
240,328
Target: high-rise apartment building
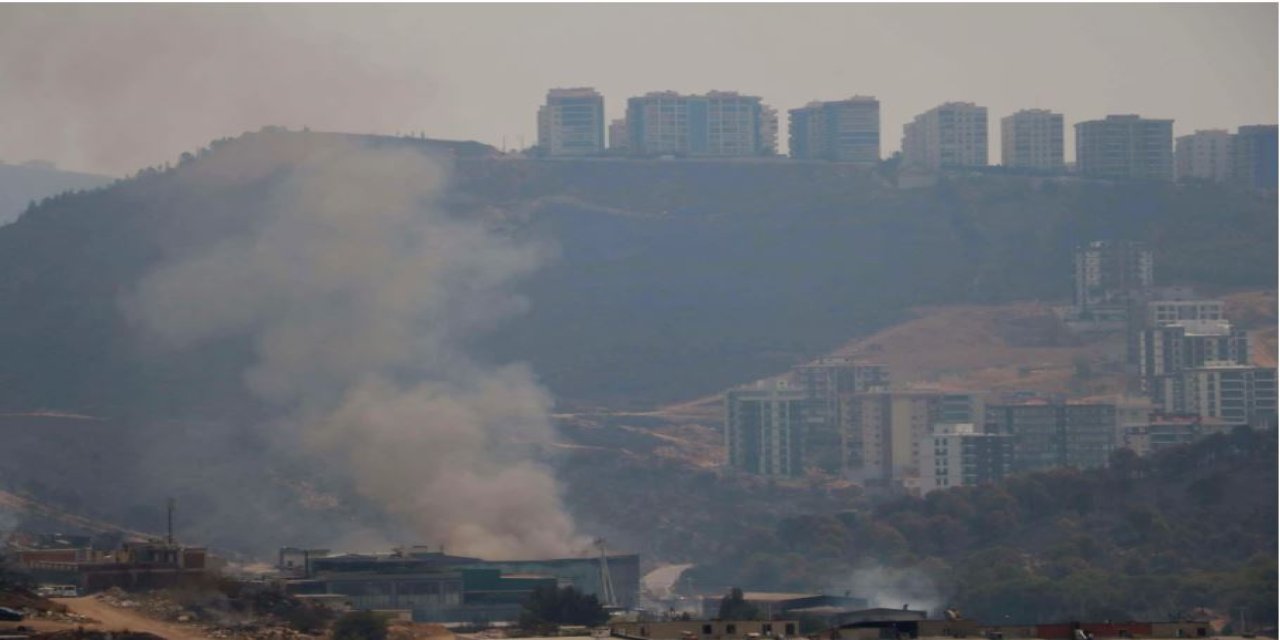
719,124
768,130
1233,394
839,131
953,134
1112,273
824,381
1159,313
1185,344
571,123
1204,155
1125,147
618,138
1032,139
957,455
764,430
887,428
1048,435
1253,156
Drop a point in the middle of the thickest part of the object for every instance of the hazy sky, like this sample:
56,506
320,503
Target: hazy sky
112,88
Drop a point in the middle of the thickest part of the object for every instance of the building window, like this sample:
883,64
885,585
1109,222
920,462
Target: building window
706,629
731,628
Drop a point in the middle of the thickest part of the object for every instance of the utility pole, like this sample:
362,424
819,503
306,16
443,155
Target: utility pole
172,504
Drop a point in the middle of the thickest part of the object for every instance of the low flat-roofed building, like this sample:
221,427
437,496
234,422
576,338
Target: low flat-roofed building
706,629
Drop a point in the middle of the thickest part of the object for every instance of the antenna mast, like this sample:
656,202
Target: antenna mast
172,504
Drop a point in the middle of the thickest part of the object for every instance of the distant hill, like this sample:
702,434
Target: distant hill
674,279
23,184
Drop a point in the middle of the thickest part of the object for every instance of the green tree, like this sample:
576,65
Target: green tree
548,607
735,607
360,625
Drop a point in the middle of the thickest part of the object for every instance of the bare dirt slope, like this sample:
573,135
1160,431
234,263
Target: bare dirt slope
1256,312
112,618
1019,346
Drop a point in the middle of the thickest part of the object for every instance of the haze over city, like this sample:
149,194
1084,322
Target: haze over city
111,89
643,321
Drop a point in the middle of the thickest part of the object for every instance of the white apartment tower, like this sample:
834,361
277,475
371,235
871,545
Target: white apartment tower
1032,139
722,124
840,131
764,429
1204,155
950,135
571,123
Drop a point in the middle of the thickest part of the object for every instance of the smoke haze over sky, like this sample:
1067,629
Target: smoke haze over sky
112,88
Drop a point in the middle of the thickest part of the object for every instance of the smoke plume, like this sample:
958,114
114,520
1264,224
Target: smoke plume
360,292
892,588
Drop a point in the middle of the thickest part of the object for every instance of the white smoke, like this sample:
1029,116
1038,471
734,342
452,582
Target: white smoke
892,588
359,292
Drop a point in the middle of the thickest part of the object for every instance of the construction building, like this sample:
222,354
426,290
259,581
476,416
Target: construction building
764,429
149,564
705,629
1111,275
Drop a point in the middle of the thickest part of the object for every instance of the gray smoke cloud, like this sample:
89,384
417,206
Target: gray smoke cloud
359,292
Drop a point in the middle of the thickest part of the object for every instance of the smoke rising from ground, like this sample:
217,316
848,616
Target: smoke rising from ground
359,292
894,587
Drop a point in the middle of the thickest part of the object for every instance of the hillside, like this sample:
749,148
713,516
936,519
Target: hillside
1148,538
661,282
23,184
672,280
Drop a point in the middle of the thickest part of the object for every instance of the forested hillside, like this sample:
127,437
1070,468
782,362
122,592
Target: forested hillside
671,280
1147,538
23,184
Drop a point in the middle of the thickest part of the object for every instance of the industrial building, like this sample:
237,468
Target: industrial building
436,587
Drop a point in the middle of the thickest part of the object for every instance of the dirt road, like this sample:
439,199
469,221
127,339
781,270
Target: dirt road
111,618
